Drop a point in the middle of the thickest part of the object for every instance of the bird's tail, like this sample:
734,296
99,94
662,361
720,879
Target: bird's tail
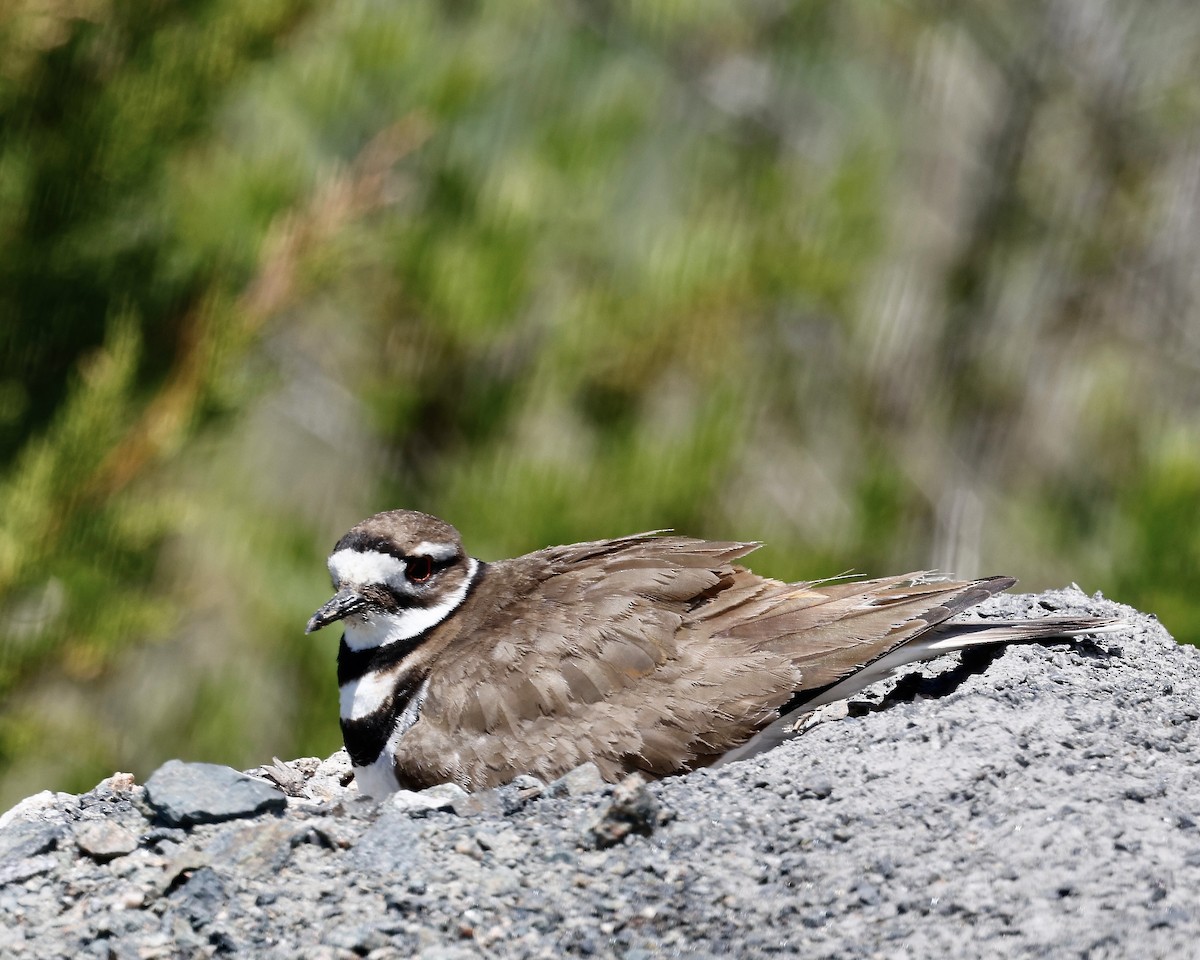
945,638
959,635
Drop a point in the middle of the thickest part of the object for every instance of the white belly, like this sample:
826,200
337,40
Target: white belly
378,779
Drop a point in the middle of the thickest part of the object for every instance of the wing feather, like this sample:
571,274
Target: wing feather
650,652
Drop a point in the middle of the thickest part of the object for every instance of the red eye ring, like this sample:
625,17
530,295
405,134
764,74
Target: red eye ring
418,569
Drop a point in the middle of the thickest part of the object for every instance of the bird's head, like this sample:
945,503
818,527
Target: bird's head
396,575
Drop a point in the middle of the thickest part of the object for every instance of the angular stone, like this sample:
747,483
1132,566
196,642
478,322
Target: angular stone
633,810
332,778
585,778
503,844
356,938
337,764
201,896
24,869
441,797
446,952
117,785
157,836
328,832
486,804
517,795
254,850
103,841
529,785
32,808
184,794
443,794
27,839
183,865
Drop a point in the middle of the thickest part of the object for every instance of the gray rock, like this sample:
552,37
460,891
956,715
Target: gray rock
164,838
327,832
584,779
633,809
184,794
444,796
200,898
45,806
359,939
28,838
486,803
24,869
254,850
333,779
449,953
529,785
103,841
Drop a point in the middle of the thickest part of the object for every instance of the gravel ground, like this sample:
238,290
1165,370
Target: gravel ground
1041,802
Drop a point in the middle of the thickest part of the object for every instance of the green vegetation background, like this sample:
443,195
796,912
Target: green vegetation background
887,285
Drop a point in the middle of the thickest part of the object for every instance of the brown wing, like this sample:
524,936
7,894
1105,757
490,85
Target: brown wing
831,630
592,662
645,653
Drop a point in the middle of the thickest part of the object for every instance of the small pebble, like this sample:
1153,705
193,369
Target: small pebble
103,841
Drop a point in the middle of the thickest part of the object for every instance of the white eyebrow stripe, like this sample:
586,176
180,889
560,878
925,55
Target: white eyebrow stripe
435,551
384,628
366,566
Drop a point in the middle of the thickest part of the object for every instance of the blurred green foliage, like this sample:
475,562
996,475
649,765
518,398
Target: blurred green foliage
885,285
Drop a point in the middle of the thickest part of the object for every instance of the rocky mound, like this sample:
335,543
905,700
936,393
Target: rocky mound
1041,801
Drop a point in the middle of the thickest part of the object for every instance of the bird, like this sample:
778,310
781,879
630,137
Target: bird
652,653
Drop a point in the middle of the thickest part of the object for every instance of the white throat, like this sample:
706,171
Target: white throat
380,629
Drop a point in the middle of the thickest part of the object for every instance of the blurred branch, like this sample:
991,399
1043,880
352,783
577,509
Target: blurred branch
365,186
345,196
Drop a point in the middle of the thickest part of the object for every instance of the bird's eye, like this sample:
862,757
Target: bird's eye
418,569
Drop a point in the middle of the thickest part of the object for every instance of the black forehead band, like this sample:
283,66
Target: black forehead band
364,542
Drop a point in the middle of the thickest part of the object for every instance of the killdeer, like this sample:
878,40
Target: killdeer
651,652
